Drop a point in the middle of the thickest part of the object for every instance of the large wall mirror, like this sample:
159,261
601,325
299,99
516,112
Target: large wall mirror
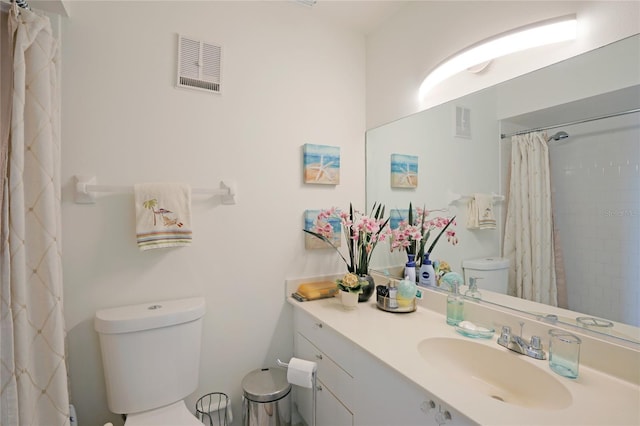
594,98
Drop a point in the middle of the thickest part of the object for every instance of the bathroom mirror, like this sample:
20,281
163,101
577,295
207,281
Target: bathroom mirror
602,82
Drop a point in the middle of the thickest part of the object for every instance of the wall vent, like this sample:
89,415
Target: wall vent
199,65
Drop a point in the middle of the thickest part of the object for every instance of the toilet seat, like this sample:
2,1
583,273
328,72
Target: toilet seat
176,414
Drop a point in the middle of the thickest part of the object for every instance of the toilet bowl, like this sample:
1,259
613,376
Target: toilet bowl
151,358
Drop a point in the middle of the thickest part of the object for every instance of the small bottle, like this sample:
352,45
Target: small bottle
427,273
410,268
455,307
393,295
473,291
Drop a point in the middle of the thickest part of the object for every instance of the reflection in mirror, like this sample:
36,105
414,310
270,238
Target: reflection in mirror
595,178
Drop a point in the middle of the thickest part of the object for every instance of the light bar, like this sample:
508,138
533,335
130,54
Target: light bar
540,34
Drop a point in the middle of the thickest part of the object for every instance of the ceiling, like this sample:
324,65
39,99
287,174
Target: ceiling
363,16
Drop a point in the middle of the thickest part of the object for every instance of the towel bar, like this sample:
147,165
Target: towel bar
86,188
452,197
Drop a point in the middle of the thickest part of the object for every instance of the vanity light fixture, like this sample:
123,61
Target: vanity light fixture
527,37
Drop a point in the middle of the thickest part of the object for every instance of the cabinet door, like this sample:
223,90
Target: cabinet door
329,410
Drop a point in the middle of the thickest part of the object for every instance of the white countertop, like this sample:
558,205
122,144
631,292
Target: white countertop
597,398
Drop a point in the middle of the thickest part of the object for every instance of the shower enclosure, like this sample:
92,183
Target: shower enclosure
595,184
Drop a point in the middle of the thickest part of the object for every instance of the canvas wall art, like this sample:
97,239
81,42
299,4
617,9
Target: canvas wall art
310,222
398,215
321,164
404,171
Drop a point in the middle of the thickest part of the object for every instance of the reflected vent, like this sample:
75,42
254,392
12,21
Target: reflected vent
199,65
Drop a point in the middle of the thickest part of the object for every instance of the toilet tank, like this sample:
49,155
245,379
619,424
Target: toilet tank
492,271
150,352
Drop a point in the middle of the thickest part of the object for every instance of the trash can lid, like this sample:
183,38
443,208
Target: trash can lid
265,385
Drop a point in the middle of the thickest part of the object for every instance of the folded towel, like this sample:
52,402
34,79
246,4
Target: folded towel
472,214
163,215
486,218
480,212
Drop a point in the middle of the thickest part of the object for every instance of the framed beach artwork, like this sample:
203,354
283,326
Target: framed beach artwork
396,216
321,164
310,221
404,171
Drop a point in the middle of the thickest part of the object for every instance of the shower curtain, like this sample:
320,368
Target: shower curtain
529,240
33,372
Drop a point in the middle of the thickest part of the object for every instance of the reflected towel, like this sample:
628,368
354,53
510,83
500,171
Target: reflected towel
480,212
163,215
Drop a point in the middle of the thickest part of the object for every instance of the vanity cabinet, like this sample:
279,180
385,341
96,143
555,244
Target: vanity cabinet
357,389
335,385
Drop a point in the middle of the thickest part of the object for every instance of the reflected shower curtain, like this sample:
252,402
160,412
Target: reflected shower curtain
33,373
528,240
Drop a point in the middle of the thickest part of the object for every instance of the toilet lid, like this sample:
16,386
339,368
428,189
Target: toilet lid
486,264
175,414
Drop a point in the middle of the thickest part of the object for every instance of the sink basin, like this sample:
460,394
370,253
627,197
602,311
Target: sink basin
500,374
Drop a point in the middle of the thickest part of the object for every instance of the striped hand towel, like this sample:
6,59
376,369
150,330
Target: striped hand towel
480,212
486,218
163,215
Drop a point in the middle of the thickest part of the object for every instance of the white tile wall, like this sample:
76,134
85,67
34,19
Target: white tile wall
596,183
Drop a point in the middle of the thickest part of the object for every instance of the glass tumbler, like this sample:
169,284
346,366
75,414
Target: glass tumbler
564,353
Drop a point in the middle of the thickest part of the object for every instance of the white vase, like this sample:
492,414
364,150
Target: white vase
349,300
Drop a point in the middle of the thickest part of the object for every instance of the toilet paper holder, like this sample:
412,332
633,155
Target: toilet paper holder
314,389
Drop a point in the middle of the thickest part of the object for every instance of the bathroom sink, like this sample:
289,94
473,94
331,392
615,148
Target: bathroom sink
497,373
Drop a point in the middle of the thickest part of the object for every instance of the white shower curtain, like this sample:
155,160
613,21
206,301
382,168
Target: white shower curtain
528,240
33,371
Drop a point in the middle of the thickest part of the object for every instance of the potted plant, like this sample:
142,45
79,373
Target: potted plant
350,289
413,234
362,233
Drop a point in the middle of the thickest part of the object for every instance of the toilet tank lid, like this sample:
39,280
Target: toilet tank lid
147,316
486,263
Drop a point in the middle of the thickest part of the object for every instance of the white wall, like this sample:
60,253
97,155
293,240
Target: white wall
402,52
288,80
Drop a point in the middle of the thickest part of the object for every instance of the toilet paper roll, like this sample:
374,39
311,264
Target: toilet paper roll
300,372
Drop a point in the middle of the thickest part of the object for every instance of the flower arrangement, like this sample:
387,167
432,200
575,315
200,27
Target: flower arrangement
362,233
413,234
350,283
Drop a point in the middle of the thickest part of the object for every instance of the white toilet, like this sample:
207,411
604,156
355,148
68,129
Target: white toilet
151,358
492,271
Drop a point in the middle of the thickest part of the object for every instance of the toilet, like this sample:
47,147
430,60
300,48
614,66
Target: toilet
492,271
151,358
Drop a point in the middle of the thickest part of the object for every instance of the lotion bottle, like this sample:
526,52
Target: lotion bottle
427,273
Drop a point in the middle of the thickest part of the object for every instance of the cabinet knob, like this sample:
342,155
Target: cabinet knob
319,325
427,406
319,356
318,388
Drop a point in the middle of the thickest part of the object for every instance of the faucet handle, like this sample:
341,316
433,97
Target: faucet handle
535,348
505,336
535,343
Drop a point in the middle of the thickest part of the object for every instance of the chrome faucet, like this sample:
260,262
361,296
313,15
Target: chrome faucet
517,344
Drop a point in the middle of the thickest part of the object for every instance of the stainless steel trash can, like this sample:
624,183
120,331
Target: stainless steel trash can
266,398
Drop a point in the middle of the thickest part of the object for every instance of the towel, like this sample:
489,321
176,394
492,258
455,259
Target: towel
163,215
480,212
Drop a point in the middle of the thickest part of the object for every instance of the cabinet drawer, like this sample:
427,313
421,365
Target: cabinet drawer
335,378
330,411
340,349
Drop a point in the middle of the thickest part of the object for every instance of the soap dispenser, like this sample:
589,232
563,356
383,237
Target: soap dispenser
410,268
473,291
427,273
455,306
